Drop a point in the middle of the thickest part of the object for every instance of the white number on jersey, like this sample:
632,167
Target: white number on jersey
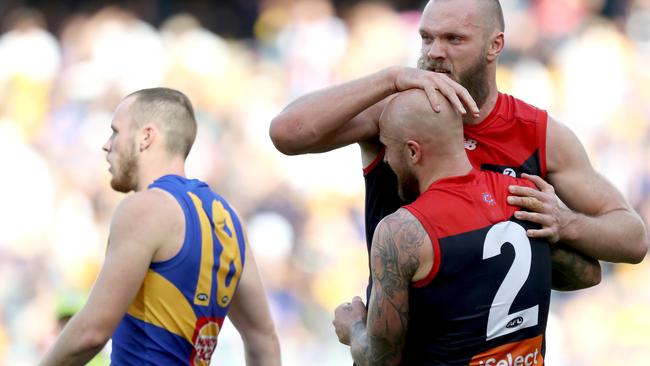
500,320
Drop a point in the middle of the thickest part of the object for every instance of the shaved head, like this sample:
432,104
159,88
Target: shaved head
409,116
494,14
417,140
171,111
491,14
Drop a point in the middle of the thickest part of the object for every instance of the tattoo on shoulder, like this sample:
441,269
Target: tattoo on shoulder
397,247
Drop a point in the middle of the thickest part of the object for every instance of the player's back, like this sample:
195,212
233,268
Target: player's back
487,296
177,314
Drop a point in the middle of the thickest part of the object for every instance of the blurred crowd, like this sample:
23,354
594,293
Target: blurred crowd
586,61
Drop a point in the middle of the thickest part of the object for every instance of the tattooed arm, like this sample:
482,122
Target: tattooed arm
573,270
401,253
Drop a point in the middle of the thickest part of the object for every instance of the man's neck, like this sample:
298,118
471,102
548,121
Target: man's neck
148,176
449,166
485,109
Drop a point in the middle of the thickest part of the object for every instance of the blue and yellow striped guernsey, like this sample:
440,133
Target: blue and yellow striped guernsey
178,312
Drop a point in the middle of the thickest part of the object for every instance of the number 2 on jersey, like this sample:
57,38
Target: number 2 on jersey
500,320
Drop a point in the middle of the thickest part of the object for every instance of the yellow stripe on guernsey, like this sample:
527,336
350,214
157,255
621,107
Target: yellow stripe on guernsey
204,284
229,255
160,303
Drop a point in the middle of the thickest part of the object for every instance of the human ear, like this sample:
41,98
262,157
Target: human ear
495,47
148,135
414,151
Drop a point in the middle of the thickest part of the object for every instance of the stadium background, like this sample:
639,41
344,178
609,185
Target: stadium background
64,68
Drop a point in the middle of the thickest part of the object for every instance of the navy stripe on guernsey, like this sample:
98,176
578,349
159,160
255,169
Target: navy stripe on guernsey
176,317
487,297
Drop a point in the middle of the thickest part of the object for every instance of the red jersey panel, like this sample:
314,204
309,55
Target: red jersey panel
487,296
511,140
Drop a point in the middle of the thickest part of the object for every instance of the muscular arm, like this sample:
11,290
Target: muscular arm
601,224
397,258
348,113
250,314
136,231
573,270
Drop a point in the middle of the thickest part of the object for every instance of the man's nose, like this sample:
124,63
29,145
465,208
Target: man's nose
436,50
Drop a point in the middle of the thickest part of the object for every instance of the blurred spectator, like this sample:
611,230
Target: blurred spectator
29,59
312,44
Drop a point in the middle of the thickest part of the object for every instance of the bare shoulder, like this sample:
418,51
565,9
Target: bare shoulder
151,214
572,176
401,238
558,132
403,224
148,203
564,151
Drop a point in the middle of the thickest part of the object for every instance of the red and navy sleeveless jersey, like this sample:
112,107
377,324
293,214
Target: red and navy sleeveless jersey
486,298
511,140
177,314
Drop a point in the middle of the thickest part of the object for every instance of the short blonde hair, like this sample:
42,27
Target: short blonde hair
171,111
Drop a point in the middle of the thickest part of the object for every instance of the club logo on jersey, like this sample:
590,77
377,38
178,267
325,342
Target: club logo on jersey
469,144
487,198
511,172
522,353
205,340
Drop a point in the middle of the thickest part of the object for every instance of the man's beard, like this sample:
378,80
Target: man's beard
408,187
124,177
474,79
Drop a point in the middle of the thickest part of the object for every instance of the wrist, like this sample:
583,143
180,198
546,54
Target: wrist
358,342
569,226
390,75
357,329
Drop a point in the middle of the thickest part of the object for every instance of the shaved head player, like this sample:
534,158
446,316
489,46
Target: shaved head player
456,281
